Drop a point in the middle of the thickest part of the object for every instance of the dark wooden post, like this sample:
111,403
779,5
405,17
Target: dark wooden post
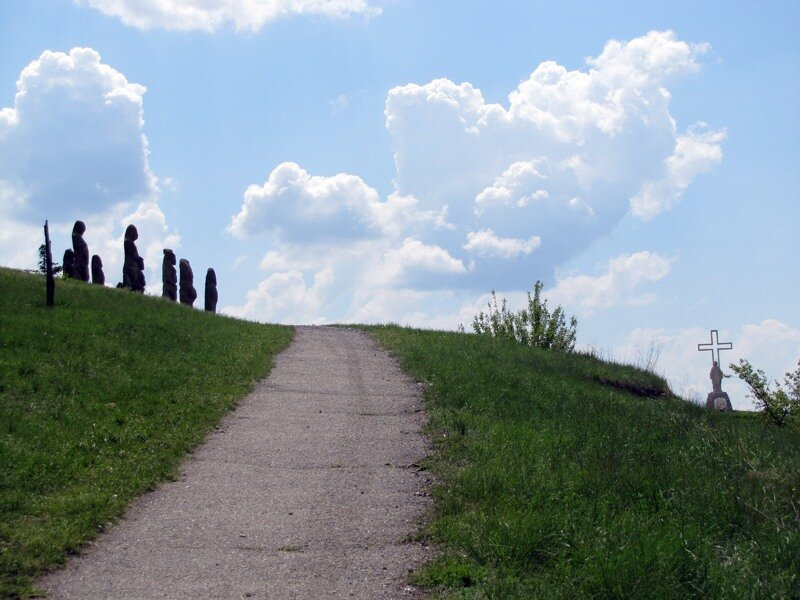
51,283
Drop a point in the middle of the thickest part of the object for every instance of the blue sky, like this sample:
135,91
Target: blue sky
396,160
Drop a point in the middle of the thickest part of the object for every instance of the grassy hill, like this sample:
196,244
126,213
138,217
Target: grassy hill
559,476
100,397
562,476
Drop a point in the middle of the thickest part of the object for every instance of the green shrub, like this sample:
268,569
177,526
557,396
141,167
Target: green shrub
532,326
780,406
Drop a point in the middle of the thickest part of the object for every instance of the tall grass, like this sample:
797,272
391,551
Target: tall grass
100,397
564,476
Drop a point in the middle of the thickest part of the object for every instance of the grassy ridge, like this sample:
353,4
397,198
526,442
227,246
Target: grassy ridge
561,476
100,397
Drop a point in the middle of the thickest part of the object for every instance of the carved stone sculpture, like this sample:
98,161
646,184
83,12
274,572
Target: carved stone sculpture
211,291
68,264
716,377
169,276
98,277
81,250
187,292
133,267
717,399
140,282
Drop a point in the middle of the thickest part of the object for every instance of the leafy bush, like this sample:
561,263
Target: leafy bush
778,405
532,326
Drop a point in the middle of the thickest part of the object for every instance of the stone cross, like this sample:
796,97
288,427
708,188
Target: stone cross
717,399
715,346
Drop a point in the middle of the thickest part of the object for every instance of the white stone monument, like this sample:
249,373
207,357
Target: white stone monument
717,399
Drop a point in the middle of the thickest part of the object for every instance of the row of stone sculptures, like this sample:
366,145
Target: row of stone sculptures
187,294
76,266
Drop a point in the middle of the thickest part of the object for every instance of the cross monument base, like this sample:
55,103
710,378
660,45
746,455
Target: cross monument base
719,401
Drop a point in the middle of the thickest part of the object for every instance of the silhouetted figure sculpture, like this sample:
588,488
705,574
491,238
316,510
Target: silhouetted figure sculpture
98,277
187,292
169,276
68,264
133,267
716,377
211,291
717,399
81,250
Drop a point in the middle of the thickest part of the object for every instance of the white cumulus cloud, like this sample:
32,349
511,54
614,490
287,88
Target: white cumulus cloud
485,242
618,285
522,183
286,297
210,15
414,257
301,206
407,307
72,147
696,152
73,140
485,193
568,156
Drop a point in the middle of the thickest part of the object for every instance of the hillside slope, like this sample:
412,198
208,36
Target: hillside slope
562,476
100,397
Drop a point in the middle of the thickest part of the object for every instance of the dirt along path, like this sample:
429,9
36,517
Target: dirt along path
307,490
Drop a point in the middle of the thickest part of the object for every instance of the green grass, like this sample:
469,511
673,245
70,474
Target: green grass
562,476
100,398
559,476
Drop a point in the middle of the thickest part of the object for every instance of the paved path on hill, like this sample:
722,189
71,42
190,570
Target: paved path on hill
307,490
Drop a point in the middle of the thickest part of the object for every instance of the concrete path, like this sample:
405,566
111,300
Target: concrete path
307,490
